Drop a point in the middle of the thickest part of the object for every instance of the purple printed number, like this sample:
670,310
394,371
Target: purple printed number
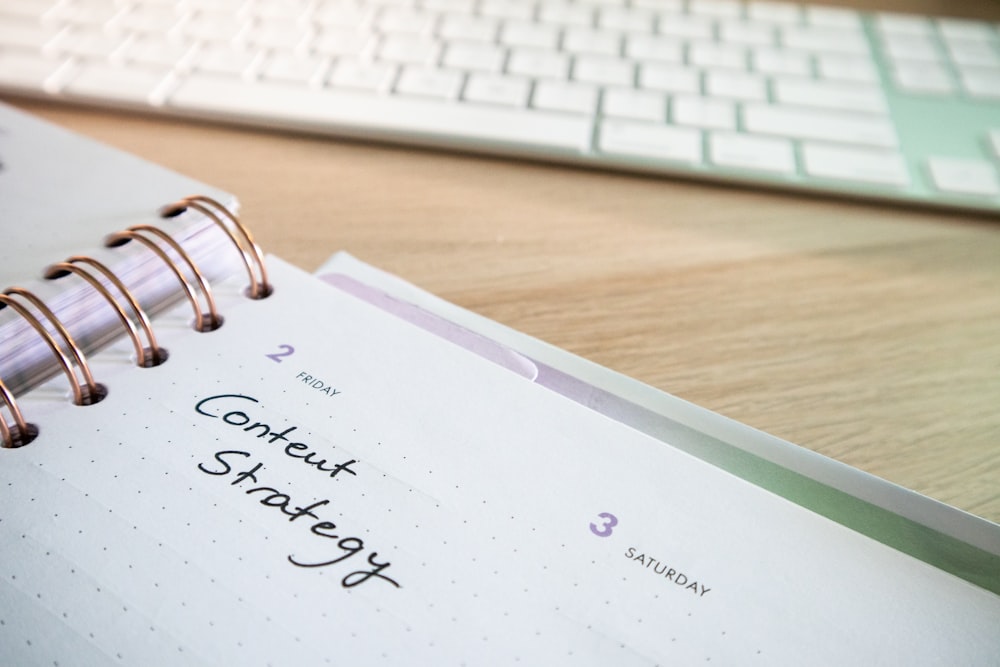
604,530
286,350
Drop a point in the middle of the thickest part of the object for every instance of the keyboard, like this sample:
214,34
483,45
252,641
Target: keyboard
895,107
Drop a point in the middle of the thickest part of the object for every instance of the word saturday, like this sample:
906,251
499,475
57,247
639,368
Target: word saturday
670,574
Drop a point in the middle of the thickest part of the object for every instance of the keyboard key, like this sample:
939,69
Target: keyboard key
735,85
747,33
522,33
781,61
603,70
538,63
717,55
830,95
566,14
409,49
102,80
26,33
718,8
635,104
982,83
670,78
24,9
469,28
904,24
832,17
625,20
687,27
741,151
774,12
212,26
508,9
92,15
450,6
966,177
362,75
22,69
495,89
371,116
474,56
146,19
672,6
703,112
157,50
346,15
277,34
83,42
975,54
562,96
910,48
847,68
830,40
308,70
594,42
858,165
802,123
649,140
343,42
652,48
429,82
923,78
221,59
960,31
405,20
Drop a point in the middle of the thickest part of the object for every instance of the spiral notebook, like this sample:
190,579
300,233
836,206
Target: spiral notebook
317,477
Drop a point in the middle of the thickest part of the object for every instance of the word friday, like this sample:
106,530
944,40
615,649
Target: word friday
317,384
269,496
220,407
668,573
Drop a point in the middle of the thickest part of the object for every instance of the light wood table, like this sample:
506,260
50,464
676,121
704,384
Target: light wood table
868,333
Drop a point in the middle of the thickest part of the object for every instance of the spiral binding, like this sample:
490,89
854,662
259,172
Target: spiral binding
22,432
237,233
146,356
85,392
203,321
69,355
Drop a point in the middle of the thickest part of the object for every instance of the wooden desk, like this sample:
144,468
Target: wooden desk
868,333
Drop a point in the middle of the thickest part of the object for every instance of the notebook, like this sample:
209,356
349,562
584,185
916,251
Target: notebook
336,474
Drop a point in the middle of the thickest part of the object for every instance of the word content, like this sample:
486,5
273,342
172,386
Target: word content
223,407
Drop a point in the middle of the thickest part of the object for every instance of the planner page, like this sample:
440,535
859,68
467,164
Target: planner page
320,482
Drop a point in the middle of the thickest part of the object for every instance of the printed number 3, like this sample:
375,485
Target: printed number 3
286,350
604,530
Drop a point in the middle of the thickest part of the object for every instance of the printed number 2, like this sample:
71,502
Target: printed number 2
604,530
286,350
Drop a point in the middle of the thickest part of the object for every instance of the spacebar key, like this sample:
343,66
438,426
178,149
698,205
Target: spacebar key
368,116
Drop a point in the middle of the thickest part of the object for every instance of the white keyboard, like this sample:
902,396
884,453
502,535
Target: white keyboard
811,98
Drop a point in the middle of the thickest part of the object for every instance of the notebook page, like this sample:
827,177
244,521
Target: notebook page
319,482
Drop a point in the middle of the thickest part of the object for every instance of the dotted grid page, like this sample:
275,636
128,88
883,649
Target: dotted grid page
318,482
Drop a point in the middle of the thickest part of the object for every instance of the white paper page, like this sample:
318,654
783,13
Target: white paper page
711,436
152,528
